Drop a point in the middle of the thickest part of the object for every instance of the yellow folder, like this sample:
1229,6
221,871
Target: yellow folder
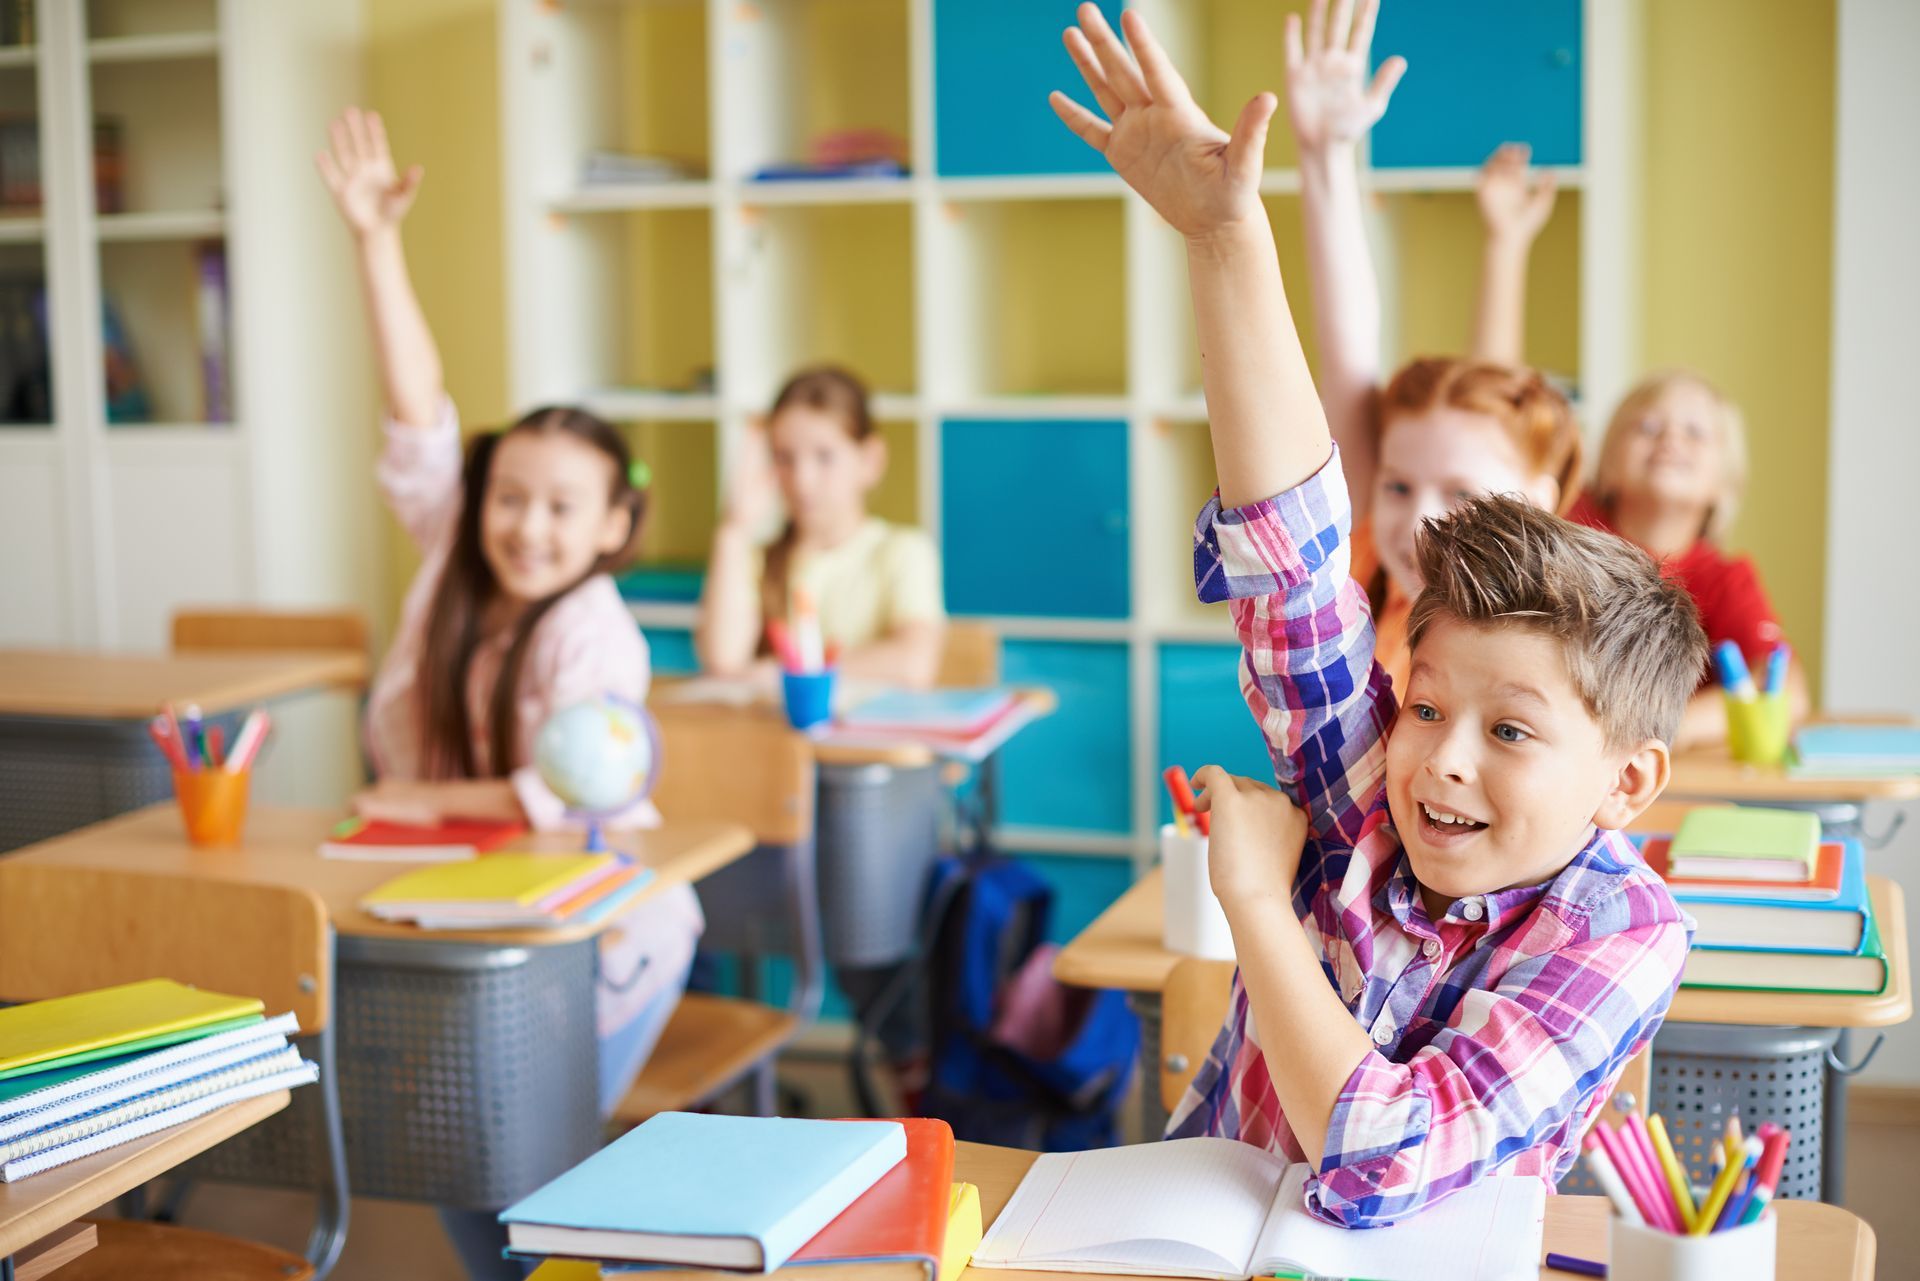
964,1231
41,1031
520,879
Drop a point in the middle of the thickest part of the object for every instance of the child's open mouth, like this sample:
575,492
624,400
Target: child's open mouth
1443,827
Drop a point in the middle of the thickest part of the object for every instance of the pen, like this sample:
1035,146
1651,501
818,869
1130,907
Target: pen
1567,1263
1776,669
1732,665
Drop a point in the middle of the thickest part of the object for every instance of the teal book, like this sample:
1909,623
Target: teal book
704,1191
1855,751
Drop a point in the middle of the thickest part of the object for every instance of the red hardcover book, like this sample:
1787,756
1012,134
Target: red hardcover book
450,841
902,1218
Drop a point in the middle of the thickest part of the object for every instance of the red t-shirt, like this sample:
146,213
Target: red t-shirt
1725,589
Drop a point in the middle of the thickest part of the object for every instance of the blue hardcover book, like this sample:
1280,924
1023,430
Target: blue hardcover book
706,1191
1855,751
1759,922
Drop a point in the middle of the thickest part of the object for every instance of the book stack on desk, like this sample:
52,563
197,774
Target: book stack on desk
1775,907
1855,751
511,891
84,1073
693,1194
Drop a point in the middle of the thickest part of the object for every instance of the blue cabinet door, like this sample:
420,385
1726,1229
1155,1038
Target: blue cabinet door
1203,719
670,650
994,63
1480,73
1071,769
1033,517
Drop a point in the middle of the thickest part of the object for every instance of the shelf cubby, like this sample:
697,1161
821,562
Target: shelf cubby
157,292
164,120
134,19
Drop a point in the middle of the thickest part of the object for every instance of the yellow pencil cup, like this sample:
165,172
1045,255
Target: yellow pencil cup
213,804
1759,728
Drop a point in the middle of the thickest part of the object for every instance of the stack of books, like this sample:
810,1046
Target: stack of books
1775,907
686,1194
511,891
81,1074
1855,751
959,722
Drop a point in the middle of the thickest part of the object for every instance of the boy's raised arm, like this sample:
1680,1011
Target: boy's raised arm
1269,432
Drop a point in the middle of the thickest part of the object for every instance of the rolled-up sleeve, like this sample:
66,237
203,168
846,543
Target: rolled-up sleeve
419,474
1516,1067
1307,671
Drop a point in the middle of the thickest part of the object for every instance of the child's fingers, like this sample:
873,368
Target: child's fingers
409,186
1092,129
342,138
1083,57
1384,81
357,130
1340,27
1115,61
329,171
1316,27
1247,148
1296,55
377,136
1163,78
1364,19
1205,779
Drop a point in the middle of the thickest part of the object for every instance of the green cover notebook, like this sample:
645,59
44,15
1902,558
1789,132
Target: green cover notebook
1764,843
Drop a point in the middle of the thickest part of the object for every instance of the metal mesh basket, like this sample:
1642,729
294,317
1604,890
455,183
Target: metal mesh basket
879,834
1703,1072
60,773
467,1076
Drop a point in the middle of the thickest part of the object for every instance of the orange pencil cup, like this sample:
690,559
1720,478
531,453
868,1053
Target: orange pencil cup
213,803
1759,728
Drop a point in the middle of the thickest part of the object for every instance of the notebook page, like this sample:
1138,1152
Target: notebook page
1488,1232
1187,1206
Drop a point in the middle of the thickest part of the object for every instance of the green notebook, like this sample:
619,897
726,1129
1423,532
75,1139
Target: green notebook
1746,842
128,1047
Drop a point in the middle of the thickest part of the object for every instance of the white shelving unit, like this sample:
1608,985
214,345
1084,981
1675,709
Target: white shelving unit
218,106
1079,251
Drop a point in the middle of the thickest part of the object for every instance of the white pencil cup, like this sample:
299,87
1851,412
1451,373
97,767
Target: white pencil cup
1192,922
1648,1254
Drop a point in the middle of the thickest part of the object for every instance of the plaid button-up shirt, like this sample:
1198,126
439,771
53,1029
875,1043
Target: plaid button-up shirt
1496,1029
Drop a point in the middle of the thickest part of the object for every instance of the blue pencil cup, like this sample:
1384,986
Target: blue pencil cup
809,697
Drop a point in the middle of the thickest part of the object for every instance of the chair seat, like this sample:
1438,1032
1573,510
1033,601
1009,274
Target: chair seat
709,1043
163,1252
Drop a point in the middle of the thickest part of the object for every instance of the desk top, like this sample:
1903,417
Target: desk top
1713,774
54,1198
1122,949
282,847
132,686
707,696
1815,1239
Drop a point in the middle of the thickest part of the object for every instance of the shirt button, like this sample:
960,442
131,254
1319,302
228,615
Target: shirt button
1473,911
1431,947
1383,1035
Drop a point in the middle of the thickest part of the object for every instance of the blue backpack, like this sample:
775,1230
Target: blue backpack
988,921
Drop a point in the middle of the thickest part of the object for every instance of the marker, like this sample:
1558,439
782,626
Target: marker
166,737
1634,1131
782,642
1617,1145
1766,1180
1610,1181
189,722
1776,669
248,742
1734,675
1567,1263
1181,788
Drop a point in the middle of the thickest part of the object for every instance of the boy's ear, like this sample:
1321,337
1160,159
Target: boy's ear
616,529
1642,777
1544,492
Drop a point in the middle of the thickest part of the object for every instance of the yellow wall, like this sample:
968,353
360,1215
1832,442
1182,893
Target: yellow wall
431,73
1738,221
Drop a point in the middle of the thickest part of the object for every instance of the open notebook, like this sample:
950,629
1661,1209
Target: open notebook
1218,1208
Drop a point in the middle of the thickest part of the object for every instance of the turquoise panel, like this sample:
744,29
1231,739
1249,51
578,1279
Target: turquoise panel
1203,719
1071,769
672,651
994,63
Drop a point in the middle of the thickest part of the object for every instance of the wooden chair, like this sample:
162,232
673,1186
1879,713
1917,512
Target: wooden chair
760,773
1193,1005
72,929
969,657
243,629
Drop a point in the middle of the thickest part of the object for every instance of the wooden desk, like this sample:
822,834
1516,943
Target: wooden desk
1815,1240
282,847
50,1200
1713,774
69,683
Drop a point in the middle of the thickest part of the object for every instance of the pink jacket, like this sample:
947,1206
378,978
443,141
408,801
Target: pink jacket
587,644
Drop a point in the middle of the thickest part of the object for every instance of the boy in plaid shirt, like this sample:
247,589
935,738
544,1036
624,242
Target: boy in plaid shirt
1447,950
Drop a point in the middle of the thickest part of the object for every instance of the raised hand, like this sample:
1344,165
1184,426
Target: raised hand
359,173
1201,180
1328,97
752,491
1514,204
1258,836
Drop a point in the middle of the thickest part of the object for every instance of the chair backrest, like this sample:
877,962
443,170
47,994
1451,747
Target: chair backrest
1193,1005
969,656
724,765
72,929
200,629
